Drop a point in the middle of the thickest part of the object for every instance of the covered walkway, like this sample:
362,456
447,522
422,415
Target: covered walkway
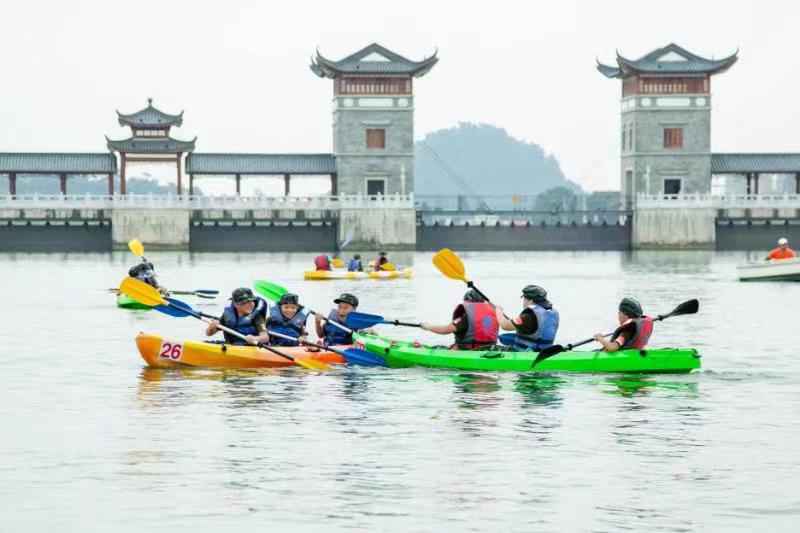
62,165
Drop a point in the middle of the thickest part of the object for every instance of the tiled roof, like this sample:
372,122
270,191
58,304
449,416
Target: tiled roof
140,145
150,117
58,163
768,163
373,59
668,60
261,164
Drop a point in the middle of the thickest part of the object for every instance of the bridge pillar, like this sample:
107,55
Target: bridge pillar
238,184
379,228
191,184
63,183
335,185
12,184
287,179
797,183
123,187
166,229
180,184
674,228
111,184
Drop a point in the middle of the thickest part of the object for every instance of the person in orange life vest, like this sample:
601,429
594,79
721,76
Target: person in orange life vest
322,262
782,251
537,324
634,330
474,324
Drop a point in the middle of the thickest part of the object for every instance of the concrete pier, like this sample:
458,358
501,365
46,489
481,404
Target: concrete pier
166,229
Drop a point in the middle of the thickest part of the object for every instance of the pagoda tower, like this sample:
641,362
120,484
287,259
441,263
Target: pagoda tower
373,119
150,141
666,121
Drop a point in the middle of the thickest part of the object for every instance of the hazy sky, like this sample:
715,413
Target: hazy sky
240,70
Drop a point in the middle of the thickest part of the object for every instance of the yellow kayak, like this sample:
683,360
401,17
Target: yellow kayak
404,273
160,352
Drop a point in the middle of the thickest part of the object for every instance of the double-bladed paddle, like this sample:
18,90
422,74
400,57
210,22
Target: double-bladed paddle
273,292
149,295
688,307
452,266
358,320
200,293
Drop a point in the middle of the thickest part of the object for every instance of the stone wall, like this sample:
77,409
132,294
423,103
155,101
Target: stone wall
372,229
674,228
55,237
256,237
756,235
156,228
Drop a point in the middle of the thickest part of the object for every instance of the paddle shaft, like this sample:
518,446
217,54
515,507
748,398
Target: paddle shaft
399,323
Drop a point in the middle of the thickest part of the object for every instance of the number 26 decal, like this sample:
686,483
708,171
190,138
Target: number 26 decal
171,351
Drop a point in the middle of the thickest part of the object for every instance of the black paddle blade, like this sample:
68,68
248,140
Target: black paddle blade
549,352
688,307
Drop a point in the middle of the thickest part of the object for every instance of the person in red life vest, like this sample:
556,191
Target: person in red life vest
322,262
380,261
537,324
782,251
634,330
474,324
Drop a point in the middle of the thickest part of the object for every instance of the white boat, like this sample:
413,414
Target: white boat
775,270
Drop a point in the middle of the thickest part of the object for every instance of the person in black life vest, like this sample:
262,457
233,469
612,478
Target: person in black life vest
330,334
354,265
634,328
380,261
536,326
247,315
322,262
474,324
287,318
145,271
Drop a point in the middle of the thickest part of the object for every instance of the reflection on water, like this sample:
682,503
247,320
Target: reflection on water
539,389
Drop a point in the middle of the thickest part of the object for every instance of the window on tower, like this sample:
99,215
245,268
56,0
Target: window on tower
376,138
673,138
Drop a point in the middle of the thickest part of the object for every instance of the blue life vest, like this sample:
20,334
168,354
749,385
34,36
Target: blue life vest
547,328
280,324
246,325
333,334
355,266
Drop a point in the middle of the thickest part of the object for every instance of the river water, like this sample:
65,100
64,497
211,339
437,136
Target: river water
93,440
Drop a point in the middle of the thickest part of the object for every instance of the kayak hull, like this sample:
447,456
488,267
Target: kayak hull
776,270
126,302
400,354
321,275
161,352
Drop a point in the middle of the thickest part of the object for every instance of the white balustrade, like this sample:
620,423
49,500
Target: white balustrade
727,201
152,201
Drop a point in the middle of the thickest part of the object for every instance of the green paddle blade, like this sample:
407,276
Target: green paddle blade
449,264
270,291
136,247
141,292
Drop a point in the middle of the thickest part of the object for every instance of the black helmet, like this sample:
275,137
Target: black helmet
242,295
357,256
347,298
382,254
534,293
473,296
631,308
289,298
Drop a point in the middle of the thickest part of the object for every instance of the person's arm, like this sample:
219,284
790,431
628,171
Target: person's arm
261,326
319,326
212,328
618,338
446,329
505,324
608,346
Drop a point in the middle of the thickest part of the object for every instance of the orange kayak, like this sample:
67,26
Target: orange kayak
166,353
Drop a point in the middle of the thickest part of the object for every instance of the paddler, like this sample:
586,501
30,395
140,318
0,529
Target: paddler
322,262
354,265
247,315
330,334
537,324
782,251
287,318
380,261
145,271
474,324
634,328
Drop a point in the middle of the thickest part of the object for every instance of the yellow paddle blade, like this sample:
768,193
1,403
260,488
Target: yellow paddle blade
141,292
337,262
311,364
390,267
137,248
449,264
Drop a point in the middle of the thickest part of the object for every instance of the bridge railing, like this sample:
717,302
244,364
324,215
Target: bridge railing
716,201
153,201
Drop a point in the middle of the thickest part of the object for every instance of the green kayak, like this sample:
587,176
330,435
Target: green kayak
125,302
400,354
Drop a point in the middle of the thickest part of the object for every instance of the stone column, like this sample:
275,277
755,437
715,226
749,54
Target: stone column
111,184
334,185
123,187
180,185
238,184
12,184
63,179
756,177
797,183
191,184
287,184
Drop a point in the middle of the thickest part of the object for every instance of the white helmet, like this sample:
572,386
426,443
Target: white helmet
782,241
